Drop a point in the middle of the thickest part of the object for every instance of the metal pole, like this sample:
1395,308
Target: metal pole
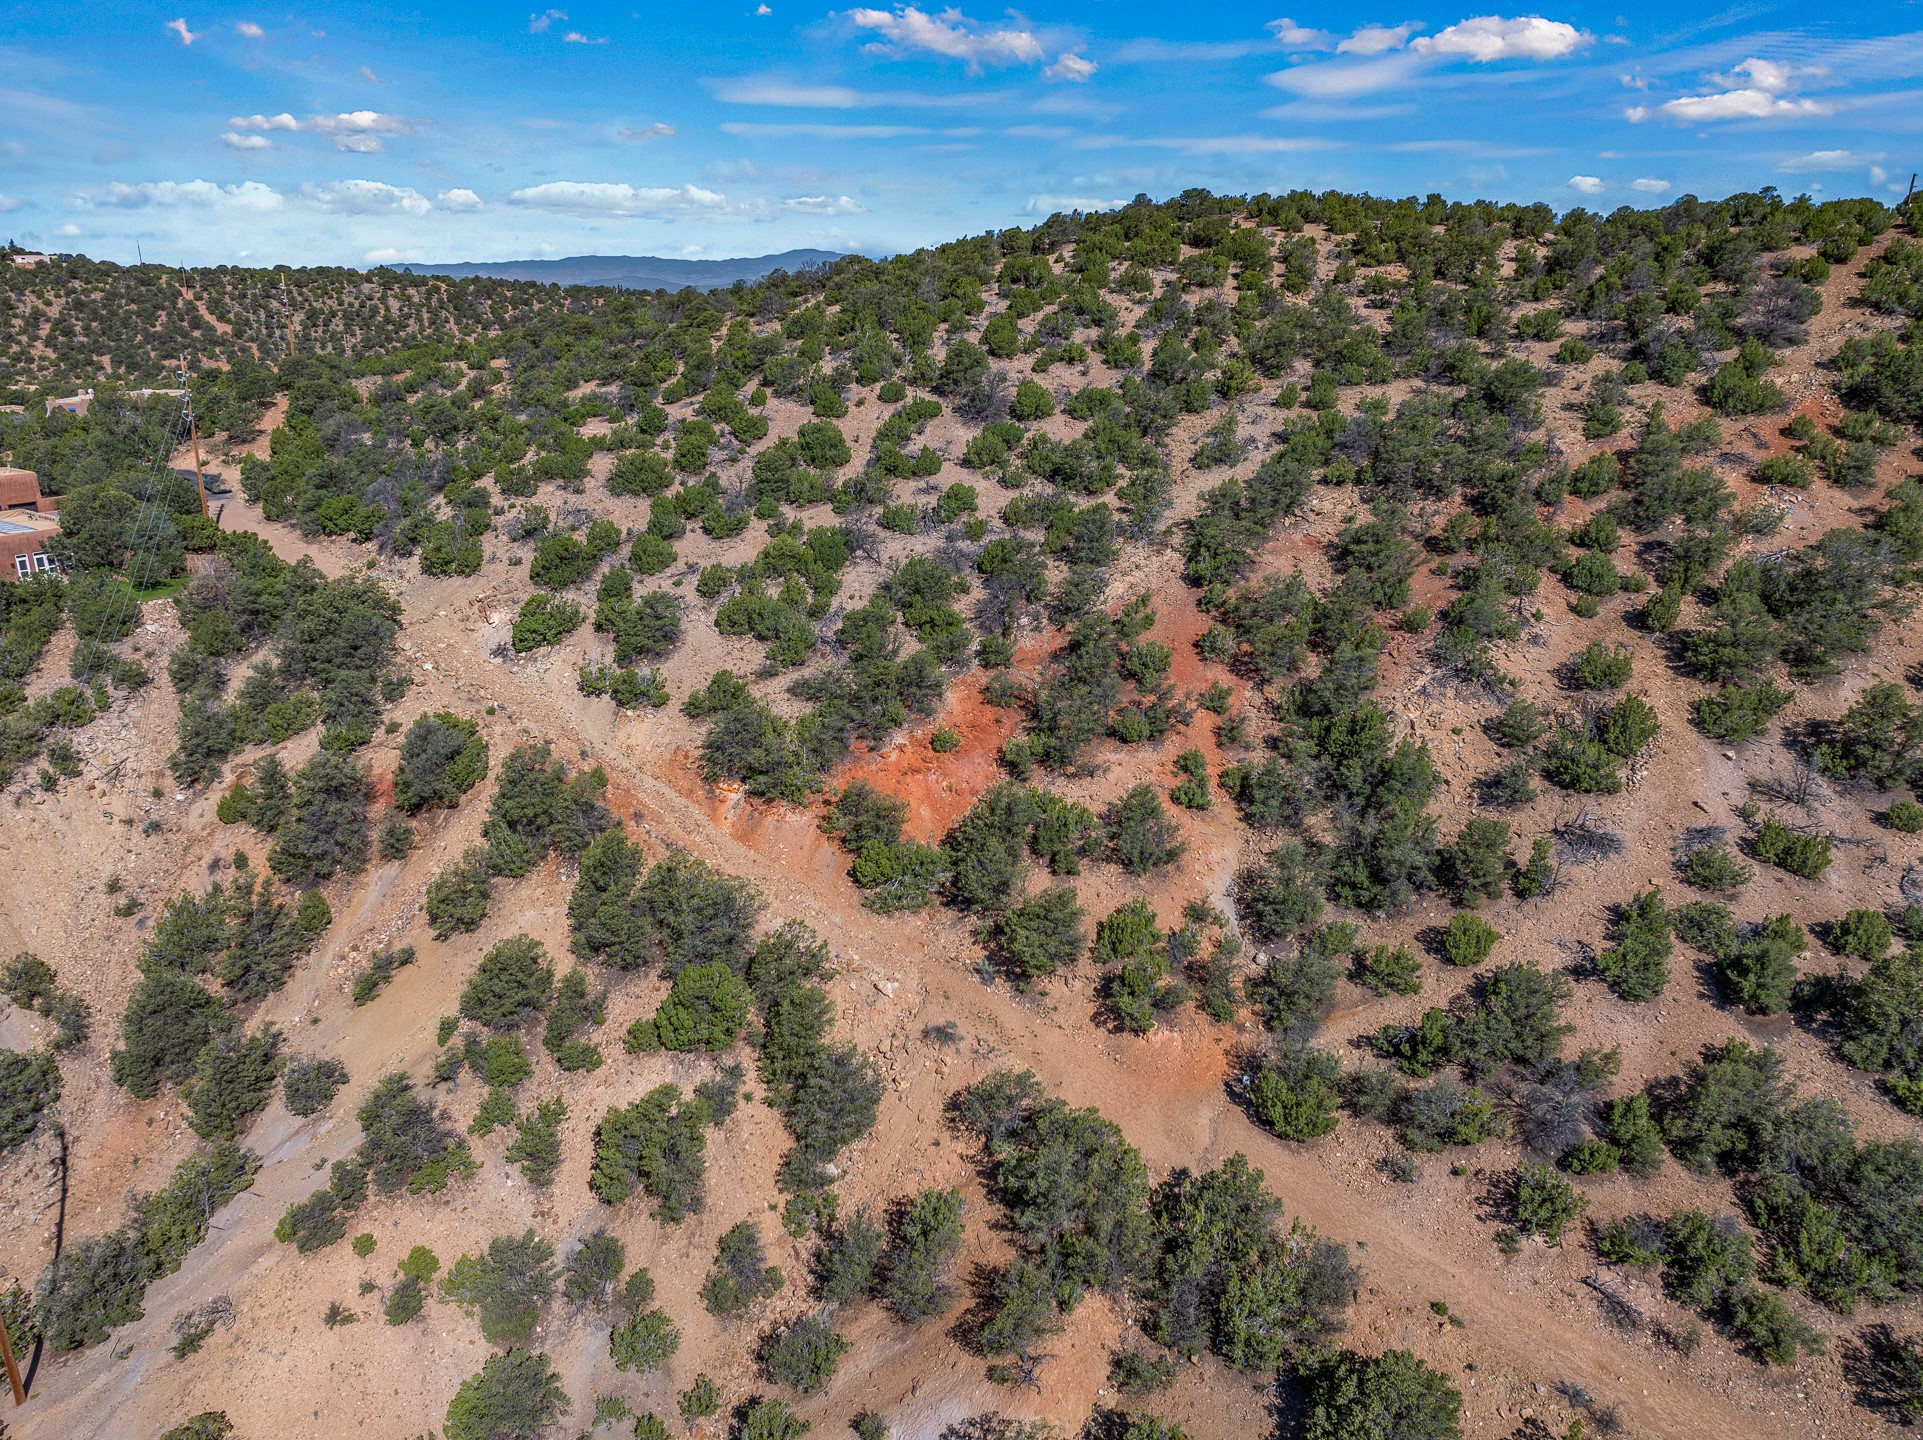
13,1368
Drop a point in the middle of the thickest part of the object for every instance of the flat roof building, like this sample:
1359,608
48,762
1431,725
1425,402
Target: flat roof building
27,522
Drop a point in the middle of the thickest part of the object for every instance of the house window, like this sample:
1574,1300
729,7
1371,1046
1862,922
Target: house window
43,562
22,566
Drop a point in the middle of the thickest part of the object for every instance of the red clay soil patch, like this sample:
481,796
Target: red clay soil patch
380,789
939,789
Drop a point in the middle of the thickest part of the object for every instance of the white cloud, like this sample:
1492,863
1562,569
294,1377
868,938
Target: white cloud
1070,66
1739,105
1635,114
1377,39
69,230
1299,37
1586,184
250,30
763,10
1878,175
951,34
365,197
586,197
359,132
1337,80
179,27
824,205
780,92
246,142
538,24
1491,37
656,131
9,203
387,255
1650,187
575,37
1762,75
1823,161
195,194
1061,204
458,199
367,74
1756,90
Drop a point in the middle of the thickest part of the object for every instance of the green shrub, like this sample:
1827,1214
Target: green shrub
207,1425
1715,868
927,1235
1352,1397
657,1144
233,1077
849,1260
704,1010
1760,971
1478,863
456,899
1468,939
325,832
1636,967
1444,1113
740,1274
1878,740
405,1301
644,1342
1139,833
515,979
1601,668
1390,971
1043,933
1629,1127
1546,1204
1736,713
1792,850
29,1085
537,1142
407,1141
1576,762
1707,1262
309,1084
506,1286
442,758
699,1400
1295,1094
1905,817
1767,1326
515,1396
1864,934
803,1355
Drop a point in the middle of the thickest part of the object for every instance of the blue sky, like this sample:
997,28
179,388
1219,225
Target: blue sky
359,133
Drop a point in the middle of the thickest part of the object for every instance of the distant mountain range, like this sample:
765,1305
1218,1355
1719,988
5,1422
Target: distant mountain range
633,272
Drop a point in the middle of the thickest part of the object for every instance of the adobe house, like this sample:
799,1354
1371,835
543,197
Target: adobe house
27,522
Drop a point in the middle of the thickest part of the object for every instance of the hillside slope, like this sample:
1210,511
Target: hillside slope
1148,651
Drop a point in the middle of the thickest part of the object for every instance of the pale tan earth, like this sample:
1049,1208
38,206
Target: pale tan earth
1526,1323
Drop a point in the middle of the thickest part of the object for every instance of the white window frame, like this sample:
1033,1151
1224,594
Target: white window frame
22,567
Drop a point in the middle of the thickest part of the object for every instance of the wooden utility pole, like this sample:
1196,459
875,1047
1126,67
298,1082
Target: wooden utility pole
193,429
13,1366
